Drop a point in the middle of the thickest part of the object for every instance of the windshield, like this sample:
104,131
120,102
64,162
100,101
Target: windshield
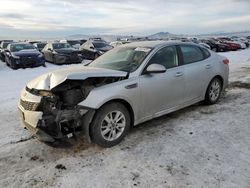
122,58
100,44
61,45
19,47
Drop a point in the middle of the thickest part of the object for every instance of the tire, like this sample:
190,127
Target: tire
213,92
105,130
214,49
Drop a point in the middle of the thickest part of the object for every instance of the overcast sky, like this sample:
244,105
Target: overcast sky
52,18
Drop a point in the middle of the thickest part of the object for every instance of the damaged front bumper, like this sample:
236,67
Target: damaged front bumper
48,128
30,118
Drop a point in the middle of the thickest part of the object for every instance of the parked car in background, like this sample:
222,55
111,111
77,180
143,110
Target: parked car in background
40,45
74,43
94,48
118,43
23,55
233,45
126,86
248,38
215,45
243,40
61,53
3,47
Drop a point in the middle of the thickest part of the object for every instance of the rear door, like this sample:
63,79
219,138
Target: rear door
198,69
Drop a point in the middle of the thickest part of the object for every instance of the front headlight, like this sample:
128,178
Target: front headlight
101,52
15,57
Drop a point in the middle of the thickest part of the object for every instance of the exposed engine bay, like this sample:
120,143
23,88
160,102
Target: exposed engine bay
62,116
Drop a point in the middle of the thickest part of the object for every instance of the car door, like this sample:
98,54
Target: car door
162,91
197,70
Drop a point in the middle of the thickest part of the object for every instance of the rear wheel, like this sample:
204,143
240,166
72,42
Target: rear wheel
110,125
213,91
214,49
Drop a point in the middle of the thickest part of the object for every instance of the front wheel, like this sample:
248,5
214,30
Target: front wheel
110,124
213,91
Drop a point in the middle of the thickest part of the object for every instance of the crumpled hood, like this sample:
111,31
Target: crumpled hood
50,80
32,52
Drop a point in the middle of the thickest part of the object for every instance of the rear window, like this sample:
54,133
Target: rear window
191,54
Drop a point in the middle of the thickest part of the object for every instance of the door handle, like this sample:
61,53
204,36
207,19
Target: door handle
208,66
178,74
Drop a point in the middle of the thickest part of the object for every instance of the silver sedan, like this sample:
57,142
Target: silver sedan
124,87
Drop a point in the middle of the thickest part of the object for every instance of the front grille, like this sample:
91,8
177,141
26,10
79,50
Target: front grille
30,106
28,60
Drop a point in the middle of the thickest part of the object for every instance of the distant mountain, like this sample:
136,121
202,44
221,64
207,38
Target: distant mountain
160,35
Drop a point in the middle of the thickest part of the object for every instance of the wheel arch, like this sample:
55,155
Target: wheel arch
94,112
126,104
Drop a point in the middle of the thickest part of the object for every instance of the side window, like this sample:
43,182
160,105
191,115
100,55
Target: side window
166,56
206,53
191,54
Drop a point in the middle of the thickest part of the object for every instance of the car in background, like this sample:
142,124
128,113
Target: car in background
243,40
40,45
74,43
126,86
23,55
61,53
94,48
118,43
248,38
215,45
3,47
233,45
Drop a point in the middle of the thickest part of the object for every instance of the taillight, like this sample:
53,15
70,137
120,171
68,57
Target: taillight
226,61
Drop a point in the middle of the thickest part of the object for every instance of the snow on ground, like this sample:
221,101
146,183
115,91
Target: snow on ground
199,146
239,65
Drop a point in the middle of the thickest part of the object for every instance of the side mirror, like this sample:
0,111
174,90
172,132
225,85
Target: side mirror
155,68
49,49
92,48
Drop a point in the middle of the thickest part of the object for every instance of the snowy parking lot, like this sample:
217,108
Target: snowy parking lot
199,146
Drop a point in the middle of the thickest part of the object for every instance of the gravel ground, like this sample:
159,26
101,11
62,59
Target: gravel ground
199,146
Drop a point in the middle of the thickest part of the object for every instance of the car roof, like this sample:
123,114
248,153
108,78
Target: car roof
154,44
